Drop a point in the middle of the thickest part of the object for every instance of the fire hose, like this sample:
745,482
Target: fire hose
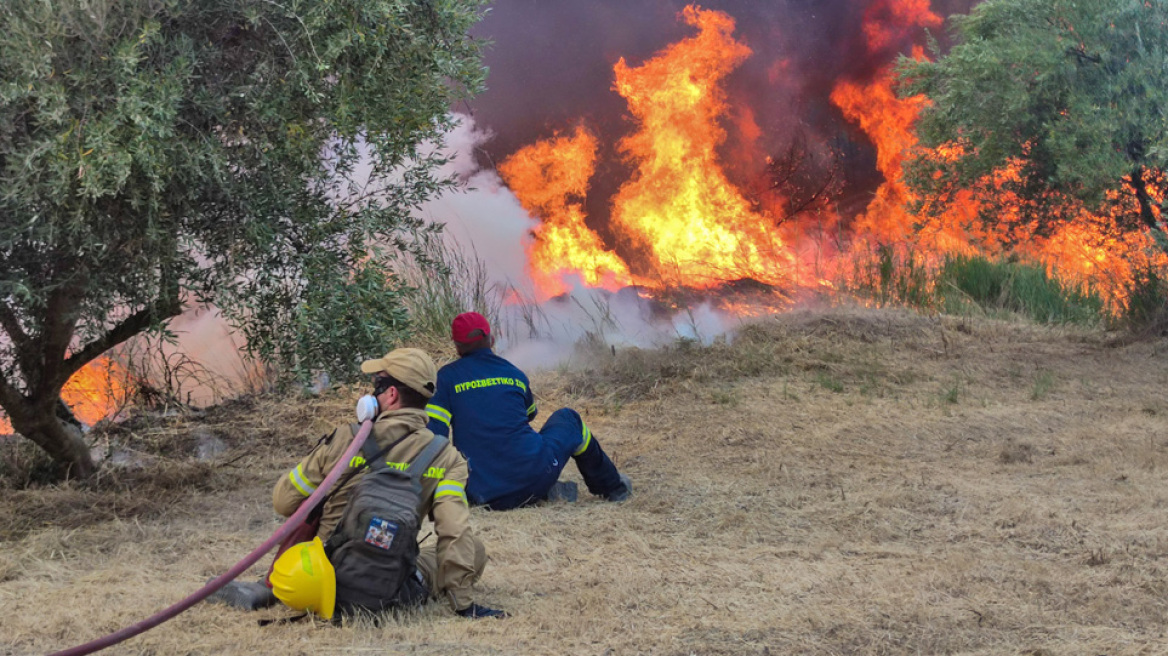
239,568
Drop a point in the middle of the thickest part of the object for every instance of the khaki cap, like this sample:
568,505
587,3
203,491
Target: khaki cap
411,366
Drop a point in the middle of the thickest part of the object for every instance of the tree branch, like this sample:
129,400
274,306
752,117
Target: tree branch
1081,52
1139,184
58,323
10,398
160,309
26,350
12,326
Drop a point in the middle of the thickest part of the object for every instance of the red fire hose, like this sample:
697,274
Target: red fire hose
239,568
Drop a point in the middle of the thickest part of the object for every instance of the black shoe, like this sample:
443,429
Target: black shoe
248,596
622,492
565,491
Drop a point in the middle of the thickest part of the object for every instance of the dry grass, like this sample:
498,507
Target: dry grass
837,482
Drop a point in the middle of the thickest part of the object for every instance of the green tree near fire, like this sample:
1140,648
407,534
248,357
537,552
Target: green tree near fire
1070,95
158,154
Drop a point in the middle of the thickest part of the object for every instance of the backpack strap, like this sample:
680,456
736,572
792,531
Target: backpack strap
374,457
421,463
373,460
372,453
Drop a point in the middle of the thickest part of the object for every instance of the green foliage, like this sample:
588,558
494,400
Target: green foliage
1010,286
1073,94
830,383
1043,384
443,282
896,277
348,319
1146,308
261,156
965,284
952,394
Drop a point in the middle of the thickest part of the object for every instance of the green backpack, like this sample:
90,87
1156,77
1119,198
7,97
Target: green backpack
374,548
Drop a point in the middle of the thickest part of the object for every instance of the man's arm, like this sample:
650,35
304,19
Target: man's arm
456,544
529,399
301,481
439,407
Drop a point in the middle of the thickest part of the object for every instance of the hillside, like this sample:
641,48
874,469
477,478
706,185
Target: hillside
844,481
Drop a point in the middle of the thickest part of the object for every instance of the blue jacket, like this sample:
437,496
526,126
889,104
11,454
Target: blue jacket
486,402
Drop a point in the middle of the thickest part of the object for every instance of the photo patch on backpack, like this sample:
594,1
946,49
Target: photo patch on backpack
380,533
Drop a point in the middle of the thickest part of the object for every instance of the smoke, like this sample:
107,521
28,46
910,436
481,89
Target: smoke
486,222
551,67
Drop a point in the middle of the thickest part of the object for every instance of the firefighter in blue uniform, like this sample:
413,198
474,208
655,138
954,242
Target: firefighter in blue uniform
486,402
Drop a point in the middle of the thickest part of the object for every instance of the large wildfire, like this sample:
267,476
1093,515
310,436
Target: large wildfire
679,221
703,205
679,212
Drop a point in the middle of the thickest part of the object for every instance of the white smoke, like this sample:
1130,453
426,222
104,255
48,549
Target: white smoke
484,221
487,222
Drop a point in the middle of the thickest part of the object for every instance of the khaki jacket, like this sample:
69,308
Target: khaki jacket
443,493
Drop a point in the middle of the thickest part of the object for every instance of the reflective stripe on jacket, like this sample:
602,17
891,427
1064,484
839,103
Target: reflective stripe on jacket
443,492
485,404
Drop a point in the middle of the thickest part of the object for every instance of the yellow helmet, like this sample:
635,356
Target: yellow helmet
303,578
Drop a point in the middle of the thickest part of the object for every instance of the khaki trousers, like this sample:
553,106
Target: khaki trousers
428,565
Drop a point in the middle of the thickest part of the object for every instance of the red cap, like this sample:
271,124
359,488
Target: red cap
469,327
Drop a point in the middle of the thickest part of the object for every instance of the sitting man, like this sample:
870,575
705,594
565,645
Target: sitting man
488,404
403,380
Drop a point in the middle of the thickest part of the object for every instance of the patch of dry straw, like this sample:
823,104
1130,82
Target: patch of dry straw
838,482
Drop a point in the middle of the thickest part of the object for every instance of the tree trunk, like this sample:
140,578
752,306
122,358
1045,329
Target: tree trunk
1139,185
66,445
60,439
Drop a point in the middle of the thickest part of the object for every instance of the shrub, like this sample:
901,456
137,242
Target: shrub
962,284
1012,286
1146,309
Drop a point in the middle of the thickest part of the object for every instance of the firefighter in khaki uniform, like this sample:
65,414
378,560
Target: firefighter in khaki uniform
403,382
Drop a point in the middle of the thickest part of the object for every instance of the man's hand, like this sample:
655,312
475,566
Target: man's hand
475,612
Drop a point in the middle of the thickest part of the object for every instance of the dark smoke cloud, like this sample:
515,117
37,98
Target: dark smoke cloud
551,68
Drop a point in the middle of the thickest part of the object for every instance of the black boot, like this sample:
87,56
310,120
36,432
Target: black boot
248,596
565,491
622,492
600,475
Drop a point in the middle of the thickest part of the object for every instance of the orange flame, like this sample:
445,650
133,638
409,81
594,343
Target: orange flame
680,221
888,22
888,121
97,391
679,209
1085,249
679,214
551,178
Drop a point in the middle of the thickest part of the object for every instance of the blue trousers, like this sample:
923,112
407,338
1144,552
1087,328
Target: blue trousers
565,436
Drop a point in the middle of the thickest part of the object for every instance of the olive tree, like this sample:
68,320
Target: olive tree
261,155
1071,96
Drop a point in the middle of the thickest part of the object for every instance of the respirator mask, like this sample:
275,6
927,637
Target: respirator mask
367,406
